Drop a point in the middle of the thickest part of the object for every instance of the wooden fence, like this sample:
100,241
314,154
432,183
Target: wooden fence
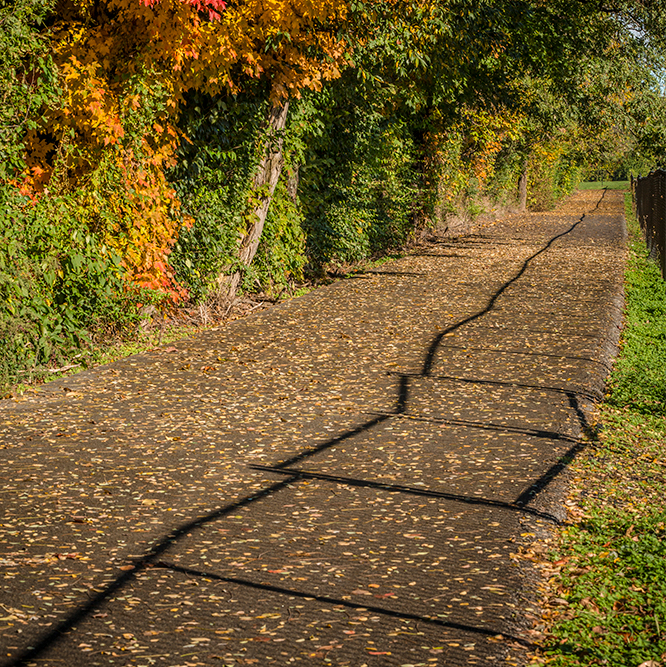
649,195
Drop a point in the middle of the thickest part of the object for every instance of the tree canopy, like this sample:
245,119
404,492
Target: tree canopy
170,148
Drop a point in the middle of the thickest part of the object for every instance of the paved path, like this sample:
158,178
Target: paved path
339,480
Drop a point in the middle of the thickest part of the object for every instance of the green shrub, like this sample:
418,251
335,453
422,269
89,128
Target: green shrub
550,180
359,183
281,256
213,179
58,283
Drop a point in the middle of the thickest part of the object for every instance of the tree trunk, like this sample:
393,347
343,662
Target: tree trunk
522,189
292,184
263,187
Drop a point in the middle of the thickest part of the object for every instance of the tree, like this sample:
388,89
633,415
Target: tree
126,68
482,80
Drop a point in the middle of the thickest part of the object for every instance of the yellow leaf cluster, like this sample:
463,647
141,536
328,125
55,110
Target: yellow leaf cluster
125,67
101,47
486,134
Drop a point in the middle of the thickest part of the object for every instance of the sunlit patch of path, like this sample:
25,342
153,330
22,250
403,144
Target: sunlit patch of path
343,479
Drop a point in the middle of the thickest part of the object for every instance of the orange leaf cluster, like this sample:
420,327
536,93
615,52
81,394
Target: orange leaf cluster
103,47
125,67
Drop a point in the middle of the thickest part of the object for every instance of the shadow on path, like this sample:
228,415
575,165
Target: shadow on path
153,558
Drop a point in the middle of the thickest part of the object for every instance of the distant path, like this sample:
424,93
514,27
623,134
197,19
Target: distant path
343,479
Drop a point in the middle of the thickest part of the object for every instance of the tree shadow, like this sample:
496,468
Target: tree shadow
153,558
591,395
362,274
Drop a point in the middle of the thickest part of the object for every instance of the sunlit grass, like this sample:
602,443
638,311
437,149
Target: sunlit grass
610,595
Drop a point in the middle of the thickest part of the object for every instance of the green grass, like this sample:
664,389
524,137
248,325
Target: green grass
608,603
639,379
601,185
103,352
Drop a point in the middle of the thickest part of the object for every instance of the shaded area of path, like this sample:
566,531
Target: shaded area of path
343,479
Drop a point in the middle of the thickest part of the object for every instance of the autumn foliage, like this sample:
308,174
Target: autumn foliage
125,68
134,135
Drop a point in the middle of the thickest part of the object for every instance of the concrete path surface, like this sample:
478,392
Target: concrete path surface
342,479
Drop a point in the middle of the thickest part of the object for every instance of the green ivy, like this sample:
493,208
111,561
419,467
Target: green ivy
213,179
27,77
58,283
359,181
281,255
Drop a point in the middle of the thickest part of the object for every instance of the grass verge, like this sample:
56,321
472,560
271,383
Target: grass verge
607,600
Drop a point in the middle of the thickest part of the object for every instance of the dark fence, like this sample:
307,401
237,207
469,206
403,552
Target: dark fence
649,195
